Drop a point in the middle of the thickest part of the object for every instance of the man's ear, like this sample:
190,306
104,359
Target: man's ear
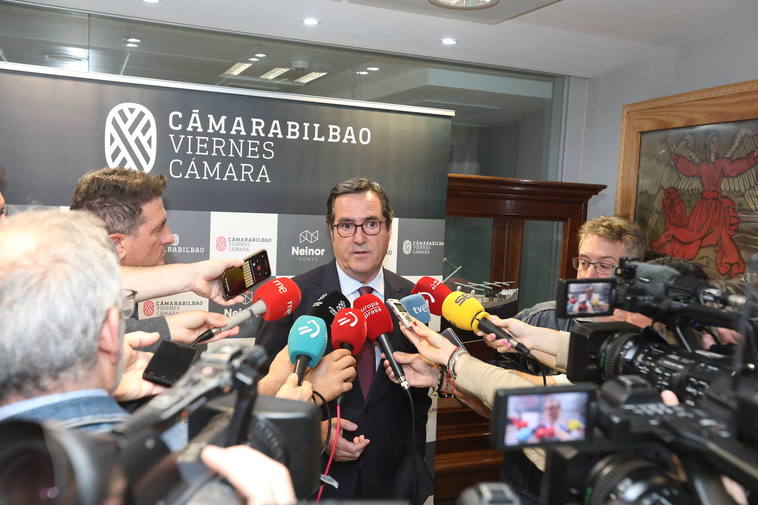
109,339
118,240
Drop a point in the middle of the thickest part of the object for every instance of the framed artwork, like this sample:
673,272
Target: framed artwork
688,174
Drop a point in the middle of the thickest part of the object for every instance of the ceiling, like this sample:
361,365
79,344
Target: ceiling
571,37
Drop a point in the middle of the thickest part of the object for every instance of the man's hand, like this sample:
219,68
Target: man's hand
420,372
291,391
432,346
206,282
132,386
334,374
346,450
258,478
186,326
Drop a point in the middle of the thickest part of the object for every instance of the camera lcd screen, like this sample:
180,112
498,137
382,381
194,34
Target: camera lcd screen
546,416
588,298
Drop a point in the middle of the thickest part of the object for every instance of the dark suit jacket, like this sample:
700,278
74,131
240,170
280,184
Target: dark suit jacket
383,470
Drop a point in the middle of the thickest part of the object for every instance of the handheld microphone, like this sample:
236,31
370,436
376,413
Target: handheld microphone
273,300
306,344
378,325
417,307
433,291
466,313
327,305
349,330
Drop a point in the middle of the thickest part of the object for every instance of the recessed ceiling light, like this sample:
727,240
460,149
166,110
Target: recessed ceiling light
260,55
465,4
311,76
254,59
133,40
275,72
372,69
311,21
131,44
237,68
362,72
448,41
151,1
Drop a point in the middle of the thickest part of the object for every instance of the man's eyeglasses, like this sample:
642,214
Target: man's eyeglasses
129,304
369,227
601,268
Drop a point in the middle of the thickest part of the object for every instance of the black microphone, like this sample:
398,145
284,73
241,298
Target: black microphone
327,305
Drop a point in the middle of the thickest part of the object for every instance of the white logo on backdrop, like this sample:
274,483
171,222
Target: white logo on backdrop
130,137
407,247
176,239
308,236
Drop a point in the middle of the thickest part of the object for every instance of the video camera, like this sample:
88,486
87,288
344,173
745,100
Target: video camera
47,463
619,448
602,351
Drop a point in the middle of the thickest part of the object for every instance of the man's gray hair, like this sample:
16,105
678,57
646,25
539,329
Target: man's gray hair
59,275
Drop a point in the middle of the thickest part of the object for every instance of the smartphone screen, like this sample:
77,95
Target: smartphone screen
255,268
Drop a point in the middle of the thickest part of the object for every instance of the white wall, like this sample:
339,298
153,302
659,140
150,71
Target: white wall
714,62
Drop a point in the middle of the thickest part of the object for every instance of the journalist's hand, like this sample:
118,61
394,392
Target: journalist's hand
292,391
131,385
207,283
432,346
258,478
346,450
334,374
534,337
277,374
186,326
420,372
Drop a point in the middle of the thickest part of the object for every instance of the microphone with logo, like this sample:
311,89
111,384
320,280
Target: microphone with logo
349,332
327,305
467,313
306,344
378,327
433,291
417,307
273,300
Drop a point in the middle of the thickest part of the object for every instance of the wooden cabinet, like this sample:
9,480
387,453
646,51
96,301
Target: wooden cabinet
463,456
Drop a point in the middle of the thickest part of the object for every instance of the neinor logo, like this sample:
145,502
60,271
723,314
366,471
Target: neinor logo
130,137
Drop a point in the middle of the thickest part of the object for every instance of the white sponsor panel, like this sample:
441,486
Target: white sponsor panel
238,234
168,305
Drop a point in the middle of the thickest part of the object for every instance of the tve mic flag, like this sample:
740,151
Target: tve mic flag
417,307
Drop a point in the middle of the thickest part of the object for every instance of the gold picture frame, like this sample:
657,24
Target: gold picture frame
655,132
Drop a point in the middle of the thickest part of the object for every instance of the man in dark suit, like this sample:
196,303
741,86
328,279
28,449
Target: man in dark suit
374,458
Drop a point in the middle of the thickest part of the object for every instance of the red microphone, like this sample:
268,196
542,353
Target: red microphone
273,300
349,330
433,291
378,326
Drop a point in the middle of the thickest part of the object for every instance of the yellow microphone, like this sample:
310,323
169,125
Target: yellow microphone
466,313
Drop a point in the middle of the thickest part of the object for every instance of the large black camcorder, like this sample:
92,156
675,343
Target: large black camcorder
618,443
46,463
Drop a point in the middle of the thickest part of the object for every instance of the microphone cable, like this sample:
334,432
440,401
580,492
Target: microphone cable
334,449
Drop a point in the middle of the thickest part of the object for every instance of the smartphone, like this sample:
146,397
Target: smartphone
449,334
585,297
402,314
236,280
539,417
